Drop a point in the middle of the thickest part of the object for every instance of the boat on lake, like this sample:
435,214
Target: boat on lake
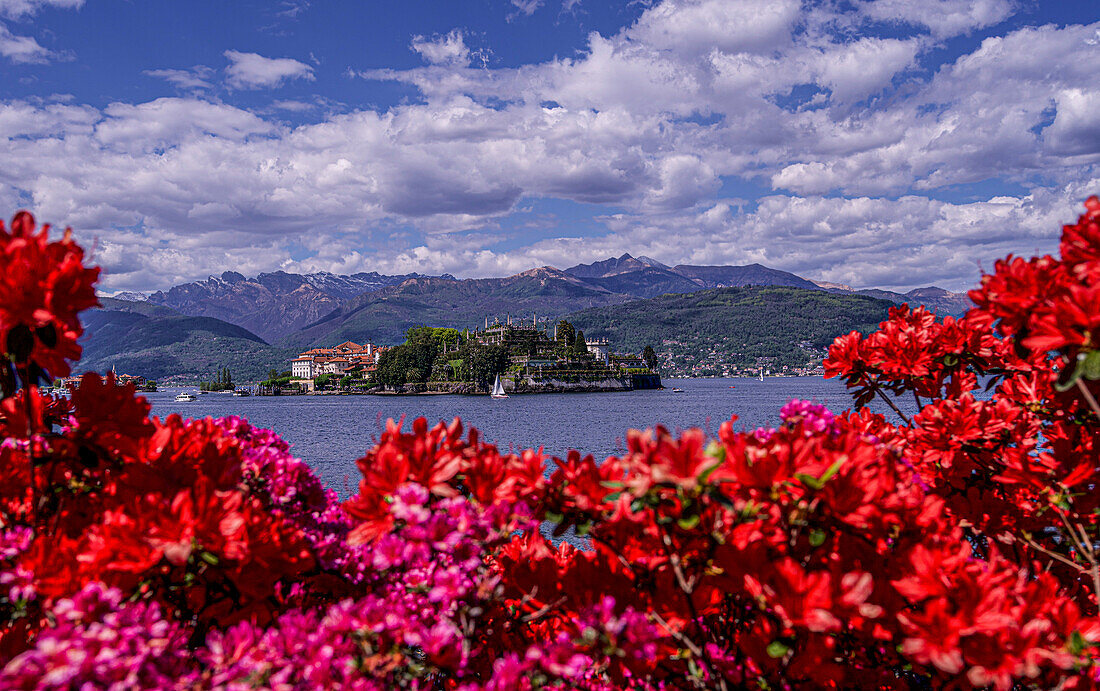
241,393
498,389
184,396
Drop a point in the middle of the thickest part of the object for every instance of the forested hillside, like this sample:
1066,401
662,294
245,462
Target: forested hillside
158,342
717,331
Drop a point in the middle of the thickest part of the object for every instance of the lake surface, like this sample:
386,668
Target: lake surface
330,432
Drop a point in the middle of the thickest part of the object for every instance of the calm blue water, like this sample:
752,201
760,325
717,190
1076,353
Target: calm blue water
330,432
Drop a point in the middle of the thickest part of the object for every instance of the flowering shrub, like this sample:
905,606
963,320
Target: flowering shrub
956,548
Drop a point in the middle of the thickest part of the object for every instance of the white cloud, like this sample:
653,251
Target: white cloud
22,49
757,26
252,71
944,18
15,9
1076,127
862,68
449,49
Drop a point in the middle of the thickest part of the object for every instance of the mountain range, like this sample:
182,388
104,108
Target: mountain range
271,305
284,312
303,309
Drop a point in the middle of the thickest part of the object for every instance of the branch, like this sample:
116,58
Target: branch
891,404
688,587
1088,397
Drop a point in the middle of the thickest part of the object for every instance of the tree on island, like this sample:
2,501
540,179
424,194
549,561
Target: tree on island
580,346
565,334
483,362
650,357
223,382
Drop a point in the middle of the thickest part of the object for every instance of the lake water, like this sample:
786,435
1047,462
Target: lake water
330,432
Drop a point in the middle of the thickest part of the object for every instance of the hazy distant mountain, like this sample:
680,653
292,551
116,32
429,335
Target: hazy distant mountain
384,315
271,305
940,301
156,342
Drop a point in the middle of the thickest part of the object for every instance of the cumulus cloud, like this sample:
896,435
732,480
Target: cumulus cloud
754,26
253,71
859,137
944,18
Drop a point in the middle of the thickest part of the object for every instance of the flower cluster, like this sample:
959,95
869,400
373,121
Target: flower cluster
956,548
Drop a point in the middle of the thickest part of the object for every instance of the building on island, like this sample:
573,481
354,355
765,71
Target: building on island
600,348
346,358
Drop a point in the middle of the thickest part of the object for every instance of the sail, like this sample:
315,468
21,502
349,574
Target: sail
498,389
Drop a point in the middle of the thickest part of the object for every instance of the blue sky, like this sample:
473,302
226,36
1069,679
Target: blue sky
890,143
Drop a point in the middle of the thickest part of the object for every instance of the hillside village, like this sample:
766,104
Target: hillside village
530,357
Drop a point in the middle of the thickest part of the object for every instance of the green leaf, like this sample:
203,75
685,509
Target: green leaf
688,522
817,537
209,557
1077,643
705,475
809,480
831,470
1089,364
778,649
554,517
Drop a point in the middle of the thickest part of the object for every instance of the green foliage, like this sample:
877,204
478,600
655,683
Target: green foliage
323,381
565,334
650,357
222,382
483,362
412,361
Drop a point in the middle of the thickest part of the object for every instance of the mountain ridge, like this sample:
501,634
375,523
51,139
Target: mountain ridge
282,307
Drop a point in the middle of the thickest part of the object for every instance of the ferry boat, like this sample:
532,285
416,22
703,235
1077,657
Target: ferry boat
498,389
184,396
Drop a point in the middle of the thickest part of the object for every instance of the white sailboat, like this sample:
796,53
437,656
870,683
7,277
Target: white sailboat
498,389
761,375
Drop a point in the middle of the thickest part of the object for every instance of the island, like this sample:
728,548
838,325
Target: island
529,357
